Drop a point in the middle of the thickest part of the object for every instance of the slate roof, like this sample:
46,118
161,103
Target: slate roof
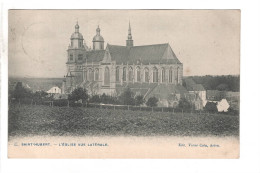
163,91
192,86
95,56
137,88
198,87
146,54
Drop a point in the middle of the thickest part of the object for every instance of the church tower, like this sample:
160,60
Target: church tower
129,41
76,48
98,40
76,39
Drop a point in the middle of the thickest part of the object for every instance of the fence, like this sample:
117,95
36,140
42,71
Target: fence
67,103
130,107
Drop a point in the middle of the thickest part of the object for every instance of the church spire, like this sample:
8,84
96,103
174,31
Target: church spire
98,30
129,32
129,41
77,27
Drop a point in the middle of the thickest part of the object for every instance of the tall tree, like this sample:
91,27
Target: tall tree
78,94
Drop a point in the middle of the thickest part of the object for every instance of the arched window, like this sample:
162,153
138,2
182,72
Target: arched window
138,74
117,74
146,75
96,74
170,75
107,77
163,75
130,74
155,74
90,74
124,74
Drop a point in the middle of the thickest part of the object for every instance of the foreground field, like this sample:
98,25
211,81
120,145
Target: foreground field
26,120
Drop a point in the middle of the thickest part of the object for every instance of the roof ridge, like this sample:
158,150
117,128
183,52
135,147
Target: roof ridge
151,45
116,45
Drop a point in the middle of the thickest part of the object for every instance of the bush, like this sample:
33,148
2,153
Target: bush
60,102
211,107
152,102
78,94
184,105
126,98
108,99
139,100
95,99
20,92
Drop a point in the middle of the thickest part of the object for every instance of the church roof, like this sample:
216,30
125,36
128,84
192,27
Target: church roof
154,54
76,35
98,38
95,56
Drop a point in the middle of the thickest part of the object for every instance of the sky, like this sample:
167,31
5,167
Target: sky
207,42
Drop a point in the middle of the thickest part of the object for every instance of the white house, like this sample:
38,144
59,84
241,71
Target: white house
54,90
223,105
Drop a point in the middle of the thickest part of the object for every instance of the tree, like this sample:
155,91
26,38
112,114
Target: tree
152,102
39,96
95,99
222,87
184,104
78,94
126,98
20,92
139,100
211,107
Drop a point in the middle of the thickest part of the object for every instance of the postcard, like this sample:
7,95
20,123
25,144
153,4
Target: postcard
154,84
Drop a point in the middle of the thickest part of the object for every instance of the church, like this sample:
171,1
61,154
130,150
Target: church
148,70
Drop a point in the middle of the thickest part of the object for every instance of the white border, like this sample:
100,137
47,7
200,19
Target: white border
250,116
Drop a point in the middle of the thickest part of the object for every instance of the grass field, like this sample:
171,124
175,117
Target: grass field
27,120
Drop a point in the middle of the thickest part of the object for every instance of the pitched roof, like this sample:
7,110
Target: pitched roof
163,91
198,87
192,86
137,88
95,56
158,53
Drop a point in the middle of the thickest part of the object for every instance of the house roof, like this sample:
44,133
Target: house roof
192,86
198,87
158,53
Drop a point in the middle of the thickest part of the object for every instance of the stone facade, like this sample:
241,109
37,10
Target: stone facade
116,67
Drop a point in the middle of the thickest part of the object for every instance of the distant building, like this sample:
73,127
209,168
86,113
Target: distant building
233,98
223,105
215,95
54,90
197,91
